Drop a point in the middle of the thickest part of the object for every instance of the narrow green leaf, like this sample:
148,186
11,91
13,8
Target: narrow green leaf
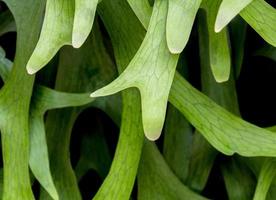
228,10
7,23
117,17
218,44
142,9
157,181
56,32
94,153
180,19
5,66
262,18
265,179
83,20
238,32
177,143
92,65
238,179
151,71
45,99
202,159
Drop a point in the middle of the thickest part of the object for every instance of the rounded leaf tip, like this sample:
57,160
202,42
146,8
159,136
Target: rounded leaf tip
152,136
31,70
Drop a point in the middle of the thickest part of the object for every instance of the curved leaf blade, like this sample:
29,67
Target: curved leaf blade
151,71
143,11
227,11
219,49
180,19
262,18
56,32
225,131
85,11
157,181
265,179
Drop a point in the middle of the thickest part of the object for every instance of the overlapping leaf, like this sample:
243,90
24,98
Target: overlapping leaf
151,71
180,19
219,49
66,22
17,92
227,11
262,18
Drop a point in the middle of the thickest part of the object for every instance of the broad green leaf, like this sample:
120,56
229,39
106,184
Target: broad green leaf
56,32
17,90
225,131
83,20
262,18
117,17
151,71
228,10
238,179
142,9
219,48
7,23
180,19
265,179
157,181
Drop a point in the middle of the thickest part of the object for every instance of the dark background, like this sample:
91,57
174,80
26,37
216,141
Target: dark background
257,101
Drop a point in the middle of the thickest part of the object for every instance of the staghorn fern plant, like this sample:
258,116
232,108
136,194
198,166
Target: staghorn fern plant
143,49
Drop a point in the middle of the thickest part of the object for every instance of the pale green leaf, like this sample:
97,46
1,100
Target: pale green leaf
151,71
227,11
180,20
56,32
142,9
83,20
219,48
